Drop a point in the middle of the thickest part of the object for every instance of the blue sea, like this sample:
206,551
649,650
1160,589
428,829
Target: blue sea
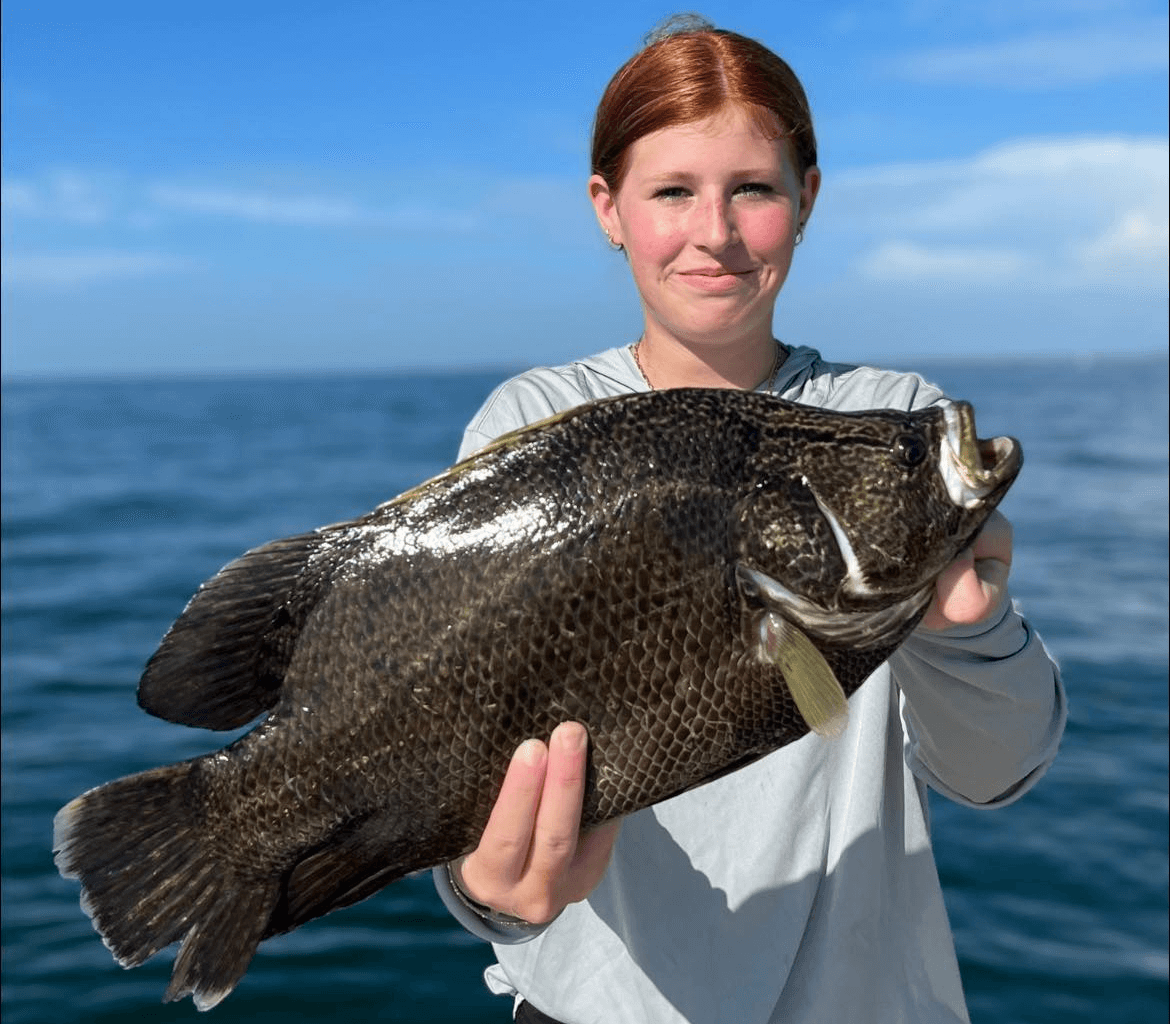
121,496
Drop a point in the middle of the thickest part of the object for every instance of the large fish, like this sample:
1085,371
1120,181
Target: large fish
700,576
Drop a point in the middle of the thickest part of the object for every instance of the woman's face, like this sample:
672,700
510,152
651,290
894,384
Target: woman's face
708,214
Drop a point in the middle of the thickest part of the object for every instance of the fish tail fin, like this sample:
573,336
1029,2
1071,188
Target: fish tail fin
148,880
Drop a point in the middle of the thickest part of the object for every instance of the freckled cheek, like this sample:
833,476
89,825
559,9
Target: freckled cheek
652,241
769,234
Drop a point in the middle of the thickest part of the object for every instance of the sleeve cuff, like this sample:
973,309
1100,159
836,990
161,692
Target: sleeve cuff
497,928
983,708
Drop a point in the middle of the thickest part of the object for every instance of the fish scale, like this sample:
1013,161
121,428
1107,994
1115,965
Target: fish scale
669,569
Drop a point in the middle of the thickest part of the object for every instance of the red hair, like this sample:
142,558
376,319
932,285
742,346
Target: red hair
690,75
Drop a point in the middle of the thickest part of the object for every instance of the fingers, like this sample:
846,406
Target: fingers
994,540
558,819
970,588
959,595
531,860
503,850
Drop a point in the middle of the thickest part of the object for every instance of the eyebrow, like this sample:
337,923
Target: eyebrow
684,177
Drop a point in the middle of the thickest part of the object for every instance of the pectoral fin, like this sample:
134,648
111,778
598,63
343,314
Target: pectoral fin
818,695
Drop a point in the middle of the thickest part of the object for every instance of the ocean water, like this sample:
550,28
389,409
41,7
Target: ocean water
119,497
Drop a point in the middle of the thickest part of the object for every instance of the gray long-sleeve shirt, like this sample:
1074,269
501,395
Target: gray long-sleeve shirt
801,888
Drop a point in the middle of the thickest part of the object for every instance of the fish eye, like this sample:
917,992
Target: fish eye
910,448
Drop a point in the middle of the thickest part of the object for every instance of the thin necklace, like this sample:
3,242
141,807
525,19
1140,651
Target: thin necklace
768,381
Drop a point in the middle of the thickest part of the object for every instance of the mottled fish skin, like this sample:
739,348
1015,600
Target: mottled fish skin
600,567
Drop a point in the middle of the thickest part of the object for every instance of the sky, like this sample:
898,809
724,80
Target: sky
272,186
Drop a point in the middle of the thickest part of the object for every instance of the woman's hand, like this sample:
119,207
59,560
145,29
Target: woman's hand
532,860
971,586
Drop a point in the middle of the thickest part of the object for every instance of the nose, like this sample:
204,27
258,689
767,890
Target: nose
715,230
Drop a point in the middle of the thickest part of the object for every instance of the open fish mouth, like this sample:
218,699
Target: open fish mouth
973,468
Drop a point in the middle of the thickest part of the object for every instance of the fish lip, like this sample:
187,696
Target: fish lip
973,468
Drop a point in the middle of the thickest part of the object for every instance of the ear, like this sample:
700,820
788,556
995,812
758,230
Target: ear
605,206
808,192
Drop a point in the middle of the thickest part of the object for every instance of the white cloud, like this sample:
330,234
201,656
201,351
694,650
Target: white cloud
76,268
1046,213
18,196
308,211
898,260
89,198
1045,60
1132,244
62,195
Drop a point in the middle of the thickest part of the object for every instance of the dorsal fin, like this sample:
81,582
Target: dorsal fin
223,661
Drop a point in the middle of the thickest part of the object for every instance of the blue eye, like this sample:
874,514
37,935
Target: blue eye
756,188
671,192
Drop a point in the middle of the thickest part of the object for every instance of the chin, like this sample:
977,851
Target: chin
719,331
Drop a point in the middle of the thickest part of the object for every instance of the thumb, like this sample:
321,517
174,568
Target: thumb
967,591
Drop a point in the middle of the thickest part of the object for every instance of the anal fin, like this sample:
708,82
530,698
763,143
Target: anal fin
352,865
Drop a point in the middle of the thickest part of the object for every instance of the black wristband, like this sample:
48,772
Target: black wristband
482,909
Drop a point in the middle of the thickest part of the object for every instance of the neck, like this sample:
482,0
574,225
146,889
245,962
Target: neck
668,363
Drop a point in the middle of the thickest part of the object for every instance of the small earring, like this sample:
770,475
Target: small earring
616,246
799,234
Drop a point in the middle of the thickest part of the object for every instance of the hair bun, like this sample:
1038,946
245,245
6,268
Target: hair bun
676,25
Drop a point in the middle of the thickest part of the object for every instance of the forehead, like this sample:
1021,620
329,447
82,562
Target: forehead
732,138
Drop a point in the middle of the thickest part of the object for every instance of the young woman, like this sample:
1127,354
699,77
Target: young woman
801,888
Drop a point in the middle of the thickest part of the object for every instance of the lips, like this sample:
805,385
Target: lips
717,280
